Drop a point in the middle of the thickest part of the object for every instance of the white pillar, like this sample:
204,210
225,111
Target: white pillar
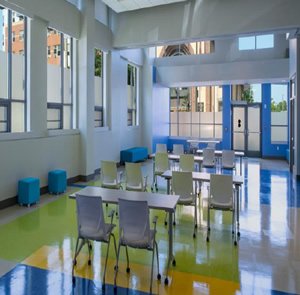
86,87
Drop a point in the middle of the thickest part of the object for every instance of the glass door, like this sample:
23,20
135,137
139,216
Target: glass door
246,128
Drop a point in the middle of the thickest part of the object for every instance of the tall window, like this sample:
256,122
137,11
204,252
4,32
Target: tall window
132,89
256,42
249,93
196,112
279,115
59,80
99,87
12,71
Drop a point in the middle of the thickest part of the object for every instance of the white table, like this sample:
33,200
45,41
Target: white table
237,180
203,141
155,201
218,153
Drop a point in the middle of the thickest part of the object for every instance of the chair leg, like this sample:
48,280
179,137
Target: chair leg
127,258
89,248
208,223
158,273
195,218
166,218
115,246
116,267
108,244
74,260
152,271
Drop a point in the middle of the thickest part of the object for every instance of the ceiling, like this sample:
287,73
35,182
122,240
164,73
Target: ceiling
126,5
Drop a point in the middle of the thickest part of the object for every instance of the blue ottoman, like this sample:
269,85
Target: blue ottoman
57,181
28,191
134,154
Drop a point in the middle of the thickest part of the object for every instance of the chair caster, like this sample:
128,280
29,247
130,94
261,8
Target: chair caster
194,235
208,229
238,233
174,223
115,267
235,243
90,247
166,223
106,204
158,276
207,239
166,281
196,225
128,269
174,262
89,262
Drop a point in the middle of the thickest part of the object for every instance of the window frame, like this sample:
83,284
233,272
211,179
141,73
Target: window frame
255,42
62,103
7,102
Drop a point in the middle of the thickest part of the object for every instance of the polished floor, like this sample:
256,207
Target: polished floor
37,245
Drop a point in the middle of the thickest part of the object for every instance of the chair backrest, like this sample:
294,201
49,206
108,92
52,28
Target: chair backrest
221,189
133,174
182,184
186,162
208,157
161,162
178,149
228,159
161,148
109,173
134,220
89,214
211,145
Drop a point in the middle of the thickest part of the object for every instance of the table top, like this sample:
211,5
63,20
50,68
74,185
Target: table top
219,153
203,141
203,176
177,157
155,201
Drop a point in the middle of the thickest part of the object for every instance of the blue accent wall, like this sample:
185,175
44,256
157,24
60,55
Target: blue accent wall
226,142
269,149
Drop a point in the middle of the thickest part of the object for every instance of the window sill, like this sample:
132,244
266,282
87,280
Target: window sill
102,129
62,132
21,136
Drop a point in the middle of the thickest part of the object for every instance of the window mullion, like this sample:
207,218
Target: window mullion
62,77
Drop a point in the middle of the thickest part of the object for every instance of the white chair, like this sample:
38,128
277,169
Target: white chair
178,149
221,197
161,148
92,226
228,160
109,176
187,163
134,178
135,232
161,165
209,160
182,185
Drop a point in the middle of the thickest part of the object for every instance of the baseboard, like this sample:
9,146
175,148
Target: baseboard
86,178
43,190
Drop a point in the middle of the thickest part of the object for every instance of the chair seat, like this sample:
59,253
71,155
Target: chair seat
113,184
186,201
132,241
131,187
91,233
223,206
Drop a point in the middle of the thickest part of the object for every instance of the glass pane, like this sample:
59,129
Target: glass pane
247,43
17,117
195,130
238,119
253,119
219,131
279,134
206,131
53,114
184,130
54,66
185,117
238,141
279,93
173,117
3,53
67,69
3,113
98,115
67,117
99,91
254,142
67,86
53,125
3,127
195,117
265,41
174,130
256,92
98,63
279,118
18,56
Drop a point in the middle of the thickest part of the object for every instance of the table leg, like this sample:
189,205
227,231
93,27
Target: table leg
168,186
171,258
237,187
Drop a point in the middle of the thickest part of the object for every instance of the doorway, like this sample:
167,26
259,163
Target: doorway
246,128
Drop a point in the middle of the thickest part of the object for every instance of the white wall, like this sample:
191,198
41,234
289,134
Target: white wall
195,19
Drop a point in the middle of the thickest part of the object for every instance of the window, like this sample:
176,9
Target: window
256,42
279,115
249,93
99,87
12,74
49,51
196,112
21,35
132,90
60,81
202,47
